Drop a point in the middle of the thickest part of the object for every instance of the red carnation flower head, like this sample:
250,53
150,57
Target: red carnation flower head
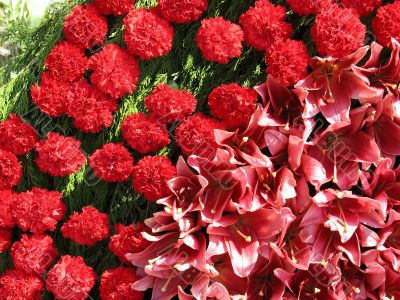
70,278
16,284
362,7
263,24
144,134
195,135
6,203
5,239
127,240
170,105
308,7
16,136
117,284
50,95
233,104
87,228
219,40
66,62
112,163
147,35
59,155
10,170
386,23
181,11
90,109
287,61
338,32
115,71
38,210
34,253
150,176
113,7
85,26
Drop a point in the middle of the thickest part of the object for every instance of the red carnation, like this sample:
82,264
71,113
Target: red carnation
34,253
185,11
70,278
150,176
147,35
127,240
66,62
115,71
85,26
170,105
195,135
233,104
10,170
386,23
59,155
117,284
6,203
50,95
144,134
5,240
87,228
264,24
338,32
112,163
38,210
219,40
308,7
18,285
287,61
362,7
91,109
16,136
113,7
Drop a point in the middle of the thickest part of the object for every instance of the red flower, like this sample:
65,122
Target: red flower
91,109
233,104
50,95
181,11
147,35
127,240
362,7
219,40
195,135
70,278
59,155
386,23
117,284
264,24
112,163
38,210
10,170
15,284
87,228
113,7
6,203
338,32
170,105
144,134
34,253
287,61
66,62
16,136
5,240
85,26
307,7
150,176
115,71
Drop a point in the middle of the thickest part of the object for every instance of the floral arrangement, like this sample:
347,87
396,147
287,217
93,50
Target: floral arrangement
286,190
